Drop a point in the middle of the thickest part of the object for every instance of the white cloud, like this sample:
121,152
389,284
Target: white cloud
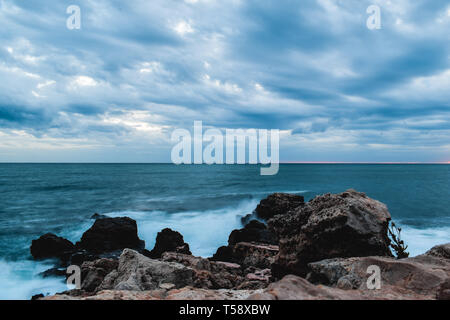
183,28
84,81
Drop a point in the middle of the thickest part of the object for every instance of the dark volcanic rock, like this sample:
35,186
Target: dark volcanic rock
223,253
53,272
255,231
168,240
332,225
51,246
109,234
96,216
278,203
37,296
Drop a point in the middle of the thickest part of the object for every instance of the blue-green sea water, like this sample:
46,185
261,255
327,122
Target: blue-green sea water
202,202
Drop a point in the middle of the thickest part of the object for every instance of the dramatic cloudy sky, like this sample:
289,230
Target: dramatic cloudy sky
116,89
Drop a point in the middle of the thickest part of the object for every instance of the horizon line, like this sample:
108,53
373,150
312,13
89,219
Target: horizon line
281,162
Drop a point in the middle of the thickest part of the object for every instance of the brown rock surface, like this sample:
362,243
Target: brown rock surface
349,224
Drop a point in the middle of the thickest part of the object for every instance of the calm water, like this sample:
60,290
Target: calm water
204,203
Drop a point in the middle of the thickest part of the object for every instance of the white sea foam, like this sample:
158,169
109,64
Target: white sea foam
20,280
421,240
205,231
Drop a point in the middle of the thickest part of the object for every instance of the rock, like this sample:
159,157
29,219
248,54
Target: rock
424,274
169,240
137,272
93,273
53,272
80,256
292,287
247,218
96,216
51,246
254,245
254,231
247,254
203,294
278,203
332,225
110,234
187,293
254,255
37,296
443,292
209,274
219,274
441,251
223,253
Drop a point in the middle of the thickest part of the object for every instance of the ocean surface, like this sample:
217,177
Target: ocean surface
202,202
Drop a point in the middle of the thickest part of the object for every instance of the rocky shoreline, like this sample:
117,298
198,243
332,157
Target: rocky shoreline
287,249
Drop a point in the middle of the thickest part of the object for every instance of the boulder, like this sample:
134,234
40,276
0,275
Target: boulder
93,273
137,272
168,240
254,231
349,224
51,246
425,274
209,274
278,203
109,234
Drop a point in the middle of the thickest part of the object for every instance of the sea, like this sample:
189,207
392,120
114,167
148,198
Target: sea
204,203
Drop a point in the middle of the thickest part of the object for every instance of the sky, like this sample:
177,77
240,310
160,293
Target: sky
115,89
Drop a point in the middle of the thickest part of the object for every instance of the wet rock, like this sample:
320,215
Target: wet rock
349,224
247,218
51,246
37,296
254,231
278,203
137,272
168,240
110,234
53,272
96,216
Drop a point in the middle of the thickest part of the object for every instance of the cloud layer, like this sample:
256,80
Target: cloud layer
115,89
